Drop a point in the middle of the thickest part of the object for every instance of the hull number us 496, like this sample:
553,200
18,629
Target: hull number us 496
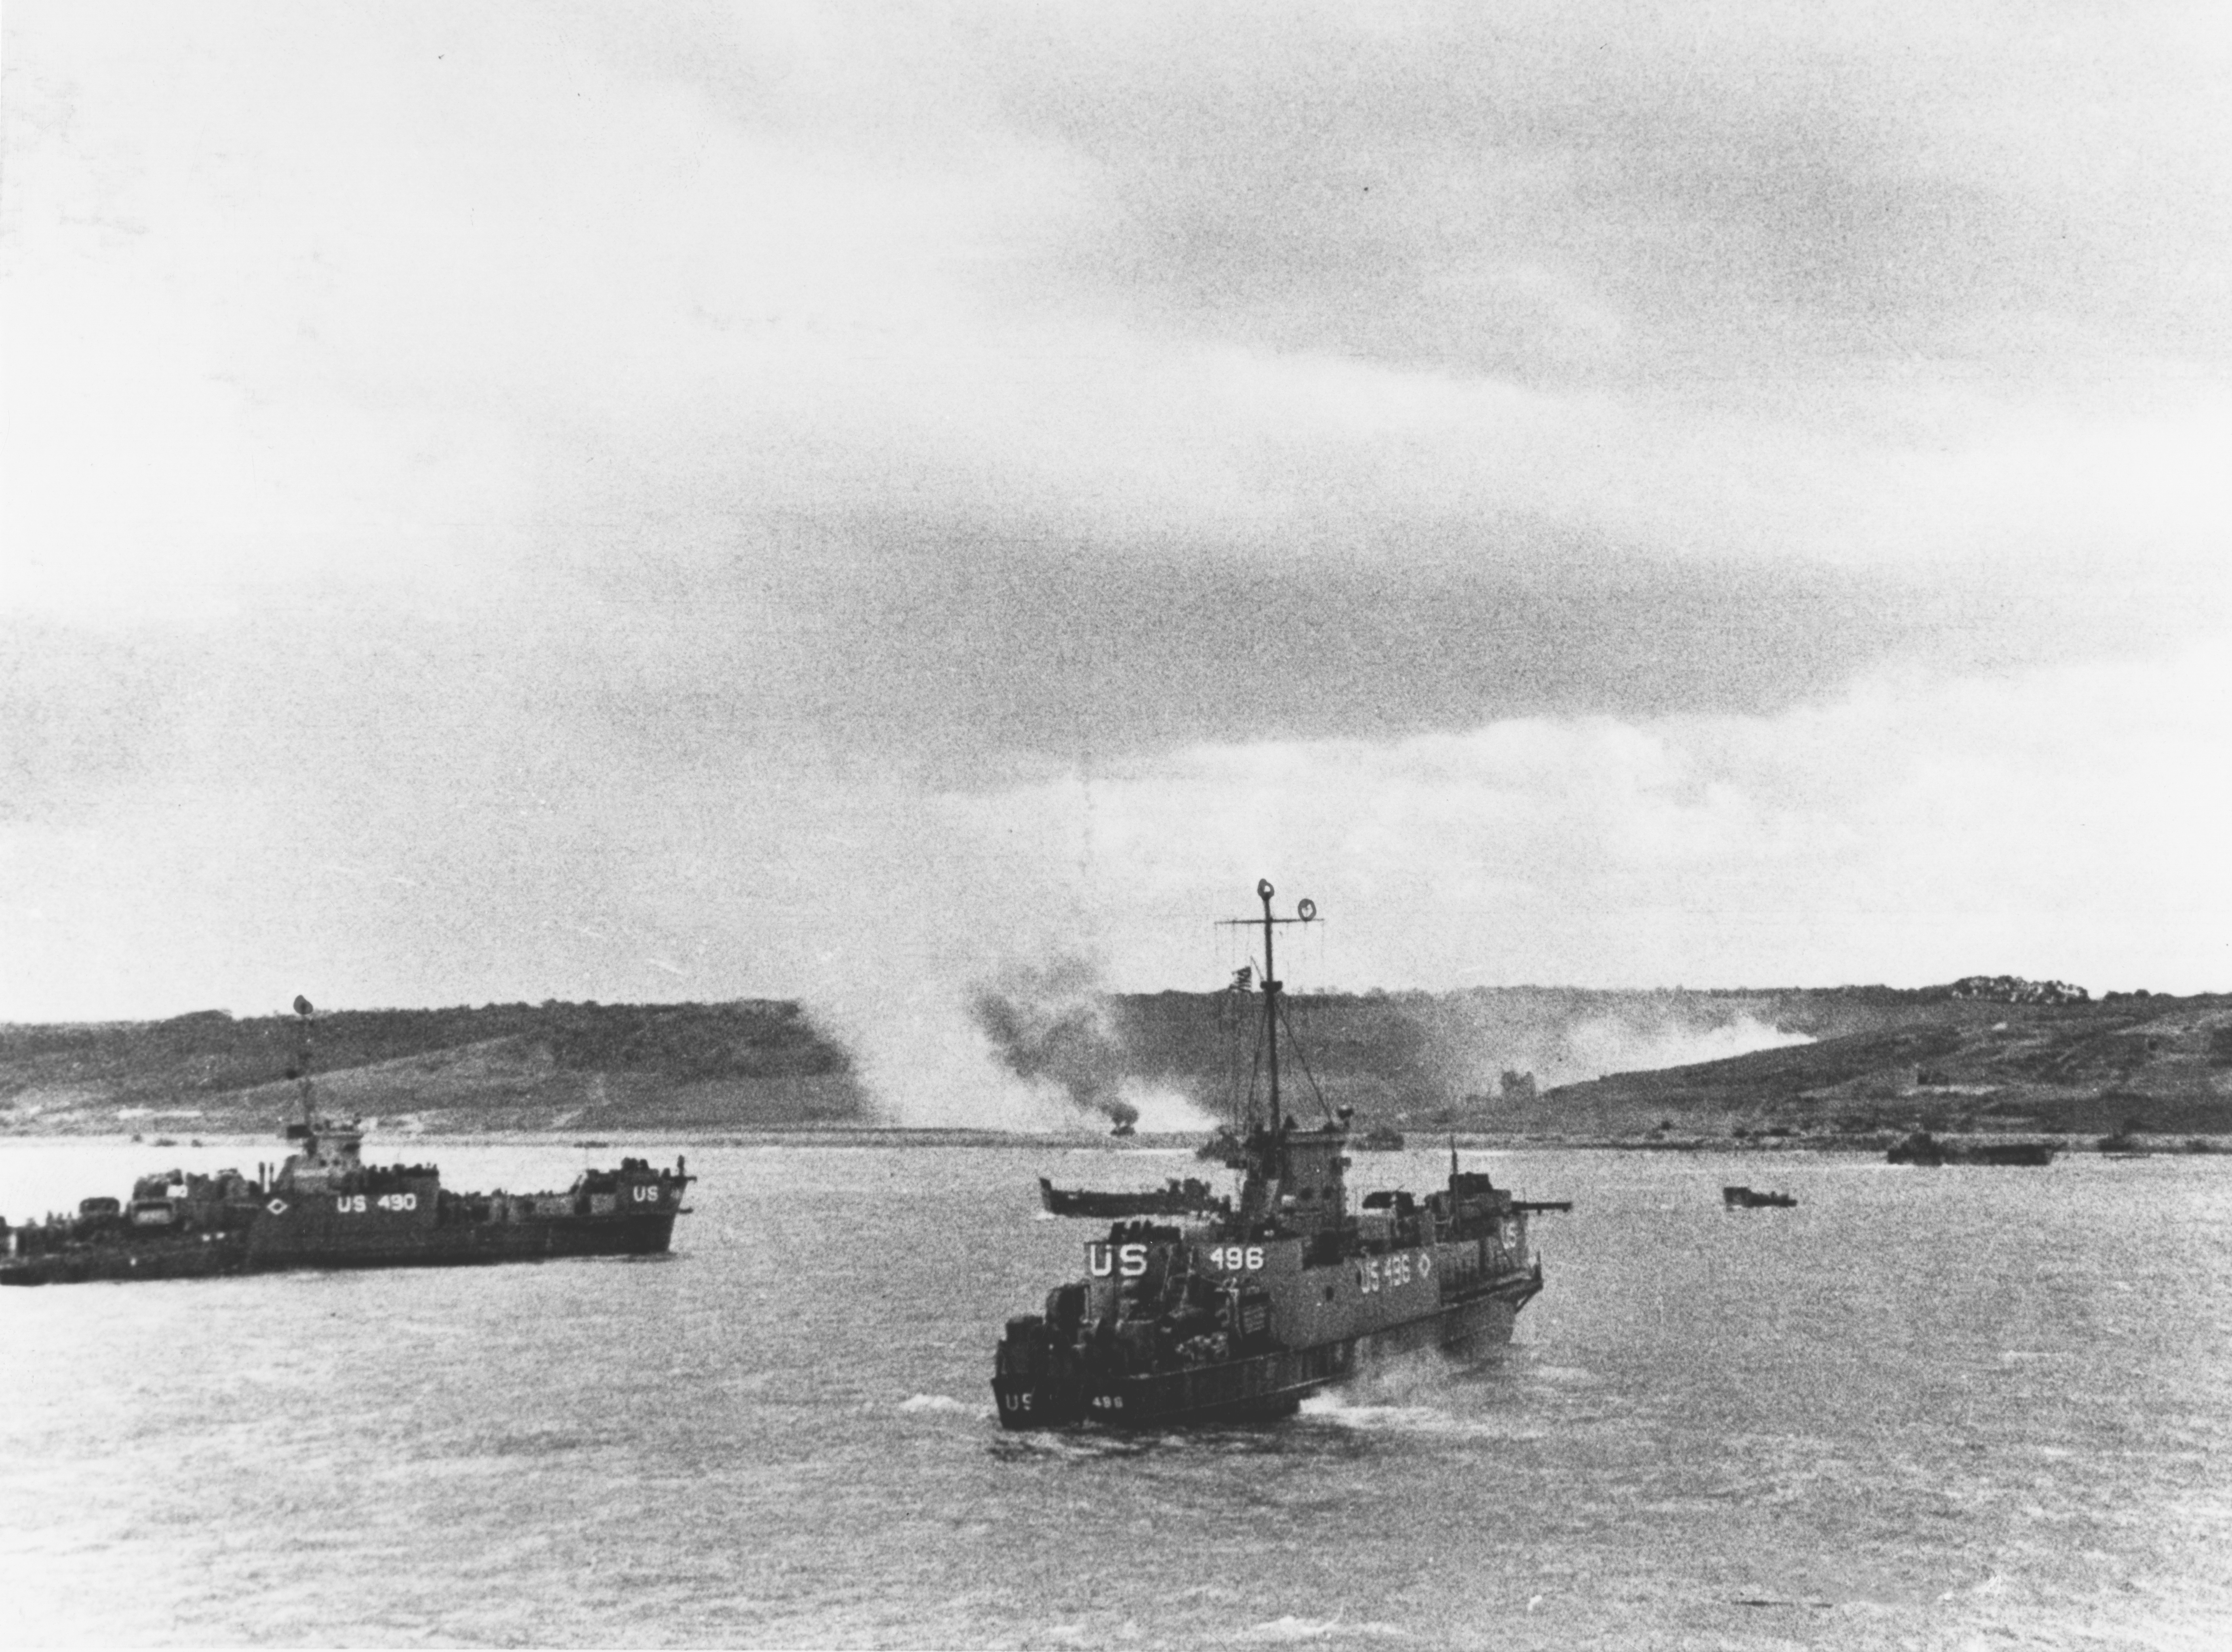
1240,1258
1388,1272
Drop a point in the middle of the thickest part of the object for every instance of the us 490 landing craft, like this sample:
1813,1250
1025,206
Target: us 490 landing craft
326,1208
1242,1315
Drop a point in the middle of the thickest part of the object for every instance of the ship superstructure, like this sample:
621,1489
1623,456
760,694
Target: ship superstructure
1287,1290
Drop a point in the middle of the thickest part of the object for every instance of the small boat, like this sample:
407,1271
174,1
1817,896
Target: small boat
1380,1138
2030,1153
1926,1149
1190,1197
1747,1198
1921,1149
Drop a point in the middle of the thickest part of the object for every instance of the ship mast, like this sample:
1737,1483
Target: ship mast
302,1015
1305,911
1271,998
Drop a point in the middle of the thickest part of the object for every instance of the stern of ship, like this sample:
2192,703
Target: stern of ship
1030,1382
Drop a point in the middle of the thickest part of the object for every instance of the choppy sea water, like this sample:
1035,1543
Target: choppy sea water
1962,1407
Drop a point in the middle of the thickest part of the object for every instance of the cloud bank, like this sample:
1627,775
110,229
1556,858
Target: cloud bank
531,501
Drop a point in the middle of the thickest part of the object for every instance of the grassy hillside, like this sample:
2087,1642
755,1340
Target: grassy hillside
516,1066
1526,1062
2162,1065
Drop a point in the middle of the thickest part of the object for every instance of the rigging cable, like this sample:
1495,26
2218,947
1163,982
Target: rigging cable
1295,1044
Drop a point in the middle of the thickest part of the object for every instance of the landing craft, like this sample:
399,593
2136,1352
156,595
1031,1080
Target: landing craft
1926,1149
326,1208
1174,1198
1285,1292
1752,1198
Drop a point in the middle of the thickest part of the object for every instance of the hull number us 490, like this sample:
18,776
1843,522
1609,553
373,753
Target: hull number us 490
357,1204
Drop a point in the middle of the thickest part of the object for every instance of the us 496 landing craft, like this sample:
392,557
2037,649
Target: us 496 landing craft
1242,1315
326,1208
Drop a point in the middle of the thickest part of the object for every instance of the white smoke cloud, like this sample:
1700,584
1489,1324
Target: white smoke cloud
1605,1045
925,1064
1161,1108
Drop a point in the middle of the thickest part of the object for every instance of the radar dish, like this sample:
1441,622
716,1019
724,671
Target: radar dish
302,1005
1309,909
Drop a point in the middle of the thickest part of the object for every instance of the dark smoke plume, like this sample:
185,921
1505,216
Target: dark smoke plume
1050,1022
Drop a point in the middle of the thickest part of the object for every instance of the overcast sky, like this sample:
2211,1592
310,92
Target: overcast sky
515,501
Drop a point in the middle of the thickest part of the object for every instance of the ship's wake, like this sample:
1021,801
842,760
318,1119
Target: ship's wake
944,1404
1281,1631
1343,1411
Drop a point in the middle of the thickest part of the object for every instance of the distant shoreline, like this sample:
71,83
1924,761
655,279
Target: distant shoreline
1867,1066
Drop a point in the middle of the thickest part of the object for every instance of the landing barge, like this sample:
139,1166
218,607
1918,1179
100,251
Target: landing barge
324,1207
1926,1149
1173,1198
1242,1315
1753,1199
